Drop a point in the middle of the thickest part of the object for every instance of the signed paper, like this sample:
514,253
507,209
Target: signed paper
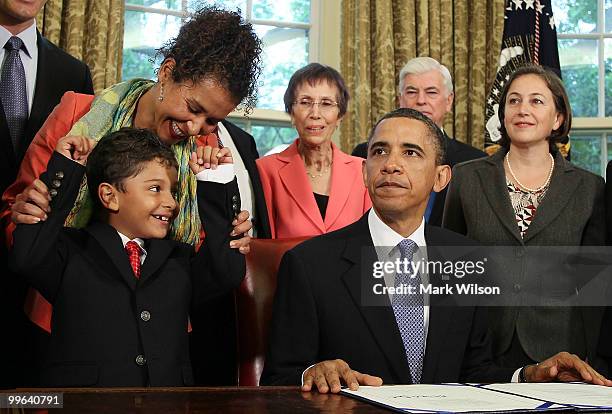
574,394
456,398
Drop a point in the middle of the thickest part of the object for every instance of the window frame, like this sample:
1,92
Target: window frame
324,24
600,124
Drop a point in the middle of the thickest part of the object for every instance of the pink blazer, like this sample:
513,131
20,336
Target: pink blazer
292,208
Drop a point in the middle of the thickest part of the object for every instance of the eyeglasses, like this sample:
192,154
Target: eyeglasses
326,106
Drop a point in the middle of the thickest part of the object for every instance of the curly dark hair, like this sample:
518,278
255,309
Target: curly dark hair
122,154
217,44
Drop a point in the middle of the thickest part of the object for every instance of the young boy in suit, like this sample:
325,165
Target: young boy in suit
121,293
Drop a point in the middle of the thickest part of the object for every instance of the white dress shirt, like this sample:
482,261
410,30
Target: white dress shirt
140,242
29,58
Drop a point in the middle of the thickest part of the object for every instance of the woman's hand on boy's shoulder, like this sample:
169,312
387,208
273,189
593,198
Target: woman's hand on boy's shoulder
76,148
209,157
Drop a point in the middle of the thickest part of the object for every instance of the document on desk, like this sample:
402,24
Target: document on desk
447,398
577,395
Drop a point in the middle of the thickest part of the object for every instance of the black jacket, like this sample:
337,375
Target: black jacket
320,314
104,319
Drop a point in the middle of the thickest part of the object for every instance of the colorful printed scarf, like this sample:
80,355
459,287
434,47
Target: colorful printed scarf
112,110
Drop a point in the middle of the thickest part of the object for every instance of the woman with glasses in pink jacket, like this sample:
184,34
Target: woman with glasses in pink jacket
312,187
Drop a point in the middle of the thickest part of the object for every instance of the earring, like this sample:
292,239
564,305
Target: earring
161,92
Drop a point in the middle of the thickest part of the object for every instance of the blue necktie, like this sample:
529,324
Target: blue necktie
13,91
408,311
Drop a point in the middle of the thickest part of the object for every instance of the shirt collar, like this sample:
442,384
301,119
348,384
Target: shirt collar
140,242
28,36
385,238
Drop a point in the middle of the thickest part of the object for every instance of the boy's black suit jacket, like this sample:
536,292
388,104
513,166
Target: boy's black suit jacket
320,314
108,328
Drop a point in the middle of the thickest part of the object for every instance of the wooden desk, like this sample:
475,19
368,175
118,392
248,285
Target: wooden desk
285,400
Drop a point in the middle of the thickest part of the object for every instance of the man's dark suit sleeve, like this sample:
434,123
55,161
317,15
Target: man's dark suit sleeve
294,331
478,364
216,268
88,83
38,250
360,150
594,233
453,218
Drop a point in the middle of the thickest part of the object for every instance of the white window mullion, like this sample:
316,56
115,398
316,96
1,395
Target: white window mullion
601,61
249,10
314,34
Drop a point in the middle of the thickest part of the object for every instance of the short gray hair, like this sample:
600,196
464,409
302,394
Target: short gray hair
423,64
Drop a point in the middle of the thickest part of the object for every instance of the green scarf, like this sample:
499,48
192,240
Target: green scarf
112,110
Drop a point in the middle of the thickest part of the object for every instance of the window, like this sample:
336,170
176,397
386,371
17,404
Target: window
584,30
148,24
290,32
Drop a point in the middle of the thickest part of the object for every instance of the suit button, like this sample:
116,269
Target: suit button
517,287
145,315
234,198
141,360
235,207
59,175
56,183
52,192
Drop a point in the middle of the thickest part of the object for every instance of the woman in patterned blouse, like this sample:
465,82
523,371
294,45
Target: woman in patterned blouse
525,195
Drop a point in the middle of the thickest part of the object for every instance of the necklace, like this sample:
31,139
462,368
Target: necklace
321,174
524,187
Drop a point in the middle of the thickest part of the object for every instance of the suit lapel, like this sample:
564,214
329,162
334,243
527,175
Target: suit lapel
157,254
493,184
294,178
562,188
342,180
6,145
45,78
243,142
439,316
379,319
111,248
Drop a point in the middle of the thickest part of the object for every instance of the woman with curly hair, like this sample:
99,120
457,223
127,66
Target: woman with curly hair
207,70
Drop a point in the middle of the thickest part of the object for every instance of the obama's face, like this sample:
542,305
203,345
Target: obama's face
401,169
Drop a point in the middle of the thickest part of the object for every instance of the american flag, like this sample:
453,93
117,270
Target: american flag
530,36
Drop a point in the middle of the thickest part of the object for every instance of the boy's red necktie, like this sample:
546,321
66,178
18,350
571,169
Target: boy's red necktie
133,250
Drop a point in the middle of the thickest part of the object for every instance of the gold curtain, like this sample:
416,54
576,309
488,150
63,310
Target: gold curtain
90,30
380,36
